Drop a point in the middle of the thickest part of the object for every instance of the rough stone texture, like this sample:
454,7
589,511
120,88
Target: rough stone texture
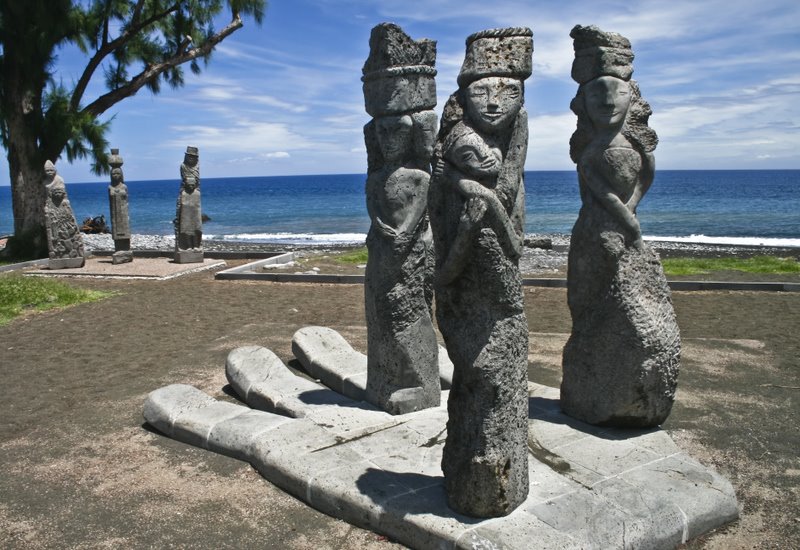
118,206
399,73
591,487
622,359
477,207
64,242
188,212
327,356
403,373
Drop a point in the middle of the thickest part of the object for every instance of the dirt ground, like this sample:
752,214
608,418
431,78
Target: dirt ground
81,470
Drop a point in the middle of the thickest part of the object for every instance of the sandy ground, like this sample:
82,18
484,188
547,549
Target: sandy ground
80,470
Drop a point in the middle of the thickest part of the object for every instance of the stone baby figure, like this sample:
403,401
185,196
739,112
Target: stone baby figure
477,205
188,218
118,206
64,240
402,352
620,364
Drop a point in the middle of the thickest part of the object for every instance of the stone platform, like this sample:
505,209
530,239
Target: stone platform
590,487
139,268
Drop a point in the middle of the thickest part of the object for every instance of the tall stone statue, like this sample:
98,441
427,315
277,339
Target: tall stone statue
622,359
188,217
399,92
477,208
64,240
118,206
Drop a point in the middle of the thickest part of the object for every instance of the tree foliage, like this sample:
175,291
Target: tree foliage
130,43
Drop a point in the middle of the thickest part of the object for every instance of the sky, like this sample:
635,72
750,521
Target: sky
285,98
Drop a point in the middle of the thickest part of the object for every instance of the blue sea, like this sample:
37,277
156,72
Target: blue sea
735,207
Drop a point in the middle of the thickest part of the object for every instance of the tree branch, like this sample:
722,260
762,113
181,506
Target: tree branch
109,47
105,101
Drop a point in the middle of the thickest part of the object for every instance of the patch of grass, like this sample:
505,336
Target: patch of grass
756,264
19,294
357,256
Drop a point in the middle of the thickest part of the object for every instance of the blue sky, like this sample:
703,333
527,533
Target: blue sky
722,76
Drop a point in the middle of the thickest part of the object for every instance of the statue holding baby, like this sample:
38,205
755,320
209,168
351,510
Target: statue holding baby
477,207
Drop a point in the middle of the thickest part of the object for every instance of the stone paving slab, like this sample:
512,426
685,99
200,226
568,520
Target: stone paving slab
139,268
590,487
327,356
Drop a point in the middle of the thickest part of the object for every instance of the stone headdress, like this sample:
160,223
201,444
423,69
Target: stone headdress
399,73
114,159
497,52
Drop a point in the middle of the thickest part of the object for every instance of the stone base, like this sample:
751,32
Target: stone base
122,257
188,256
589,487
66,263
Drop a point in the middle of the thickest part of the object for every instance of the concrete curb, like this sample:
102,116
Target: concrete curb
245,272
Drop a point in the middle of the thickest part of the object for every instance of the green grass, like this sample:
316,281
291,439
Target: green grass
756,264
19,294
357,256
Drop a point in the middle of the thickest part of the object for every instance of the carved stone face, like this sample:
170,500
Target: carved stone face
116,176
475,157
607,100
57,194
492,103
190,160
394,133
50,171
190,185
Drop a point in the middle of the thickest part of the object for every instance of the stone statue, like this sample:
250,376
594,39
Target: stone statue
477,207
64,240
399,91
118,206
622,359
188,217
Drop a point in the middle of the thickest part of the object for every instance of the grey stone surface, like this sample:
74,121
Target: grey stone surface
327,356
399,73
118,206
383,472
188,211
622,359
402,373
477,208
64,241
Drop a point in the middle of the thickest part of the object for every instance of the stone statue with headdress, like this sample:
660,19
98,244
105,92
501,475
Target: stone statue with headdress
400,93
188,214
118,208
621,362
64,239
477,206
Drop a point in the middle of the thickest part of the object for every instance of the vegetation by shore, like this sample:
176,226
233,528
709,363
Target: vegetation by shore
19,294
772,265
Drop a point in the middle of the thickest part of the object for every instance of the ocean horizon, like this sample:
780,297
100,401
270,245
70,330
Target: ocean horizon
746,207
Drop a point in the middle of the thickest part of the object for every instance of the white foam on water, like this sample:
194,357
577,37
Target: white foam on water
293,238
737,241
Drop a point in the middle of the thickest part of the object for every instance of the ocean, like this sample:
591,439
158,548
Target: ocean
715,206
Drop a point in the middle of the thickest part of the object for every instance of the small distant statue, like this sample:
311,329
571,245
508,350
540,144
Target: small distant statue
402,352
620,365
477,209
118,206
64,240
189,218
